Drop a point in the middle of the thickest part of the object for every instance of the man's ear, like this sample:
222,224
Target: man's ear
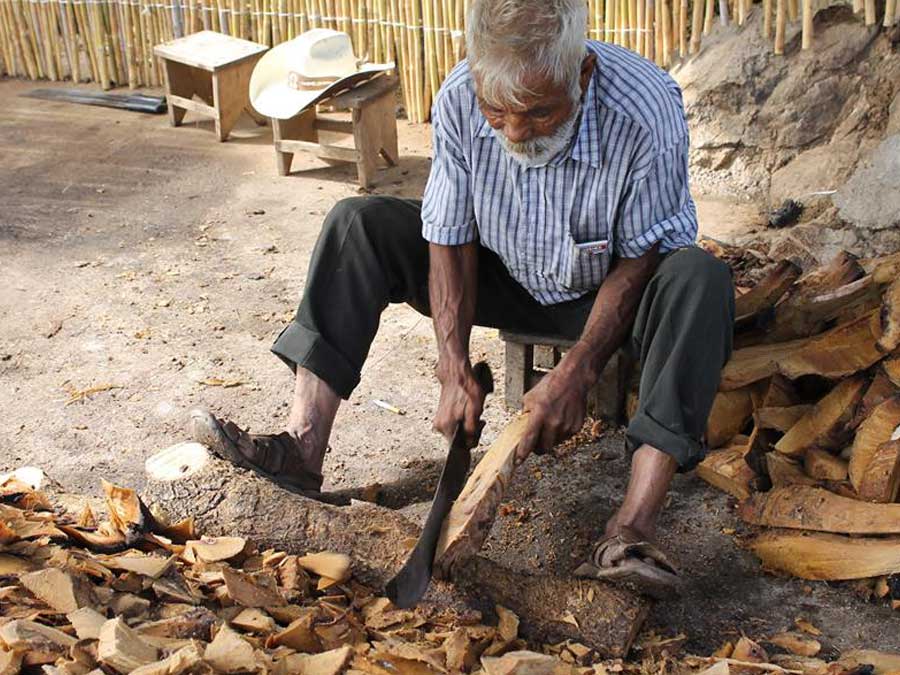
587,69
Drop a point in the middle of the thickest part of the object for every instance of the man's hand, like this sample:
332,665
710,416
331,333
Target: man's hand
557,406
462,400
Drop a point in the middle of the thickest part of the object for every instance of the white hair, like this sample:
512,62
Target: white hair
509,40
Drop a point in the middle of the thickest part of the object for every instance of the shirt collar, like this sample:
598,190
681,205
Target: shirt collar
586,146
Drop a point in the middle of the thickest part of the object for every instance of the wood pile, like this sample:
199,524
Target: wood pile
805,430
132,595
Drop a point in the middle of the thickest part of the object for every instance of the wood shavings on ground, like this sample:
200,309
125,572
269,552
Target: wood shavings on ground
76,395
135,595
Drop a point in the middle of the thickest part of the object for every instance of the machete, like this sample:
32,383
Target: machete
407,588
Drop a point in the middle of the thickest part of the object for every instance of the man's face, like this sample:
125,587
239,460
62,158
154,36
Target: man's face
542,123
539,115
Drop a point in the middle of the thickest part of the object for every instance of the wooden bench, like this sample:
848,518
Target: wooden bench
372,123
529,357
214,67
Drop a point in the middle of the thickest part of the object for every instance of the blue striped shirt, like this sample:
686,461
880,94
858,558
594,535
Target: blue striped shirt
620,187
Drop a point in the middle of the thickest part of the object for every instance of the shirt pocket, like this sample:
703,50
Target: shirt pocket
587,264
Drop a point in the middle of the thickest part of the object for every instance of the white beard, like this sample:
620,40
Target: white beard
539,151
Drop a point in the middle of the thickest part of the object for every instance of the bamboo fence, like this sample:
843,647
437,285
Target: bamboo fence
110,42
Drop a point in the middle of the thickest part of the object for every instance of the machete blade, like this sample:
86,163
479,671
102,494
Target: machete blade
409,585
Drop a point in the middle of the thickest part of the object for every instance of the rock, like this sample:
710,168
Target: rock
871,197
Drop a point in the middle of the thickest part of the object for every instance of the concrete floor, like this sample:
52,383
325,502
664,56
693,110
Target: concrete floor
158,262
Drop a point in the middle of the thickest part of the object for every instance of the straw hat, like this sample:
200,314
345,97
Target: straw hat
300,72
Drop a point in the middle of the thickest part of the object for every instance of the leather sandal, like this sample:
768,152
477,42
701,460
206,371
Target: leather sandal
625,558
268,455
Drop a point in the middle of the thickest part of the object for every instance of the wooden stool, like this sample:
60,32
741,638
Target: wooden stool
530,357
373,125
217,69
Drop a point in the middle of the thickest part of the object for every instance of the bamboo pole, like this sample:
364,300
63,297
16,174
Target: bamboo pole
710,16
794,10
767,19
697,26
870,12
890,13
780,17
682,28
609,20
723,12
666,29
807,24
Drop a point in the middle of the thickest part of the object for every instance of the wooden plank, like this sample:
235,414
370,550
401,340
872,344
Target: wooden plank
731,410
727,470
880,480
209,50
324,151
800,507
826,425
877,428
334,126
367,91
469,521
826,557
193,106
767,291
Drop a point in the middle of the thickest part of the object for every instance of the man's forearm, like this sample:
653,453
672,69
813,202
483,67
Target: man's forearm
611,316
452,290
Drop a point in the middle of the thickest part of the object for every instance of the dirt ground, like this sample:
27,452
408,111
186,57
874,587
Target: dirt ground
156,266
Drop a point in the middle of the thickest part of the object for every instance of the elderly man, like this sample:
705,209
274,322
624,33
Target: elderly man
557,203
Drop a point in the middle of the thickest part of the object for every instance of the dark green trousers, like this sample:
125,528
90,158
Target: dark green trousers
371,253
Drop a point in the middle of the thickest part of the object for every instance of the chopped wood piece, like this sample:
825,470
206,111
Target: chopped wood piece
780,419
193,623
839,352
880,481
526,663
254,620
152,566
804,664
822,465
825,426
876,429
249,591
23,634
57,589
299,635
727,470
180,661
883,662
122,649
10,564
327,663
890,319
879,390
470,519
86,518
10,662
784,471
826,557
731,410
230,653
99,542
891,368
508,626
462,650
811,508
87,623
797,643
126,511
214,549
332,565
767,291
749,651
804,316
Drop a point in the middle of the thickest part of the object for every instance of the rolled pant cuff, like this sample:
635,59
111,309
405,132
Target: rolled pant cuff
645,430
300,346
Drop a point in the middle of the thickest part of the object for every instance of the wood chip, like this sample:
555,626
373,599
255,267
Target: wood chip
335,566
230,653
123,649
797,643
331,662
214,549
249,591
87,623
